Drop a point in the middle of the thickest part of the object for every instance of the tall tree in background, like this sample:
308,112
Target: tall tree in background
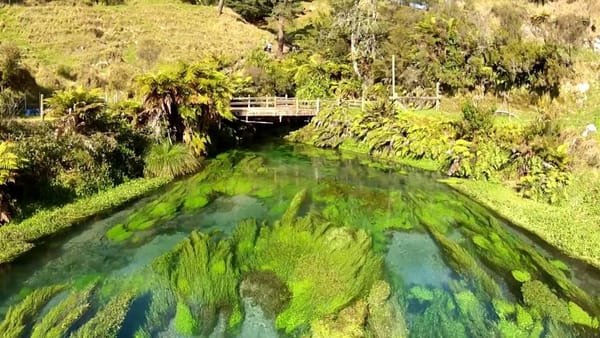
359,22
284,11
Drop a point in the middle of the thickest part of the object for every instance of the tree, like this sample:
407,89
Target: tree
11,103
284,11
359,22
10,64
220,6
80,110
186,102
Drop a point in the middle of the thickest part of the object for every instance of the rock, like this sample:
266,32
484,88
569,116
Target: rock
266,290
590,128
349,323
386,318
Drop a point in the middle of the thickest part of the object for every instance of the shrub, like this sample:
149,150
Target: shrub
170,160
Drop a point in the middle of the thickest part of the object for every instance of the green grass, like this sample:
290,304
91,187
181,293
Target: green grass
17,239
104,41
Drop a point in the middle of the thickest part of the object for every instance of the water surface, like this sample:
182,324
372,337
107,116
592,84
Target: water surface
447,266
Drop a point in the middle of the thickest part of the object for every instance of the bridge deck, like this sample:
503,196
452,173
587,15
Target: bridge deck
293,107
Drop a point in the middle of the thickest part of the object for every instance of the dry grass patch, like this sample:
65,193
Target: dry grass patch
95,39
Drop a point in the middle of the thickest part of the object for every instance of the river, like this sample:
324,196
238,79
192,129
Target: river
288,240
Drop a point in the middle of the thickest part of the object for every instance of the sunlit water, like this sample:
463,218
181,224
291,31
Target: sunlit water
392,204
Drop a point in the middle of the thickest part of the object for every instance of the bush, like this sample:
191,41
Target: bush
476,121
170,160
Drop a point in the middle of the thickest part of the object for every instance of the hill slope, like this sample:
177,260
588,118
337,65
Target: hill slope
104,45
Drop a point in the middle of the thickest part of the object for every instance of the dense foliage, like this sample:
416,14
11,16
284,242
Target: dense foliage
472,147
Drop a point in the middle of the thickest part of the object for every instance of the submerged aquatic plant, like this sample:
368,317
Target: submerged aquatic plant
19,316
60,319
107,322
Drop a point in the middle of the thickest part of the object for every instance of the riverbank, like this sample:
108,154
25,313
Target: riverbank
481,168
18,239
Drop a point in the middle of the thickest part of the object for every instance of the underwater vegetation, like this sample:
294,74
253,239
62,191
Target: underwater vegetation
316,265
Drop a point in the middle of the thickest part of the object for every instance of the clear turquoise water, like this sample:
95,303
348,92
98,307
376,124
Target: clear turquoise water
391,203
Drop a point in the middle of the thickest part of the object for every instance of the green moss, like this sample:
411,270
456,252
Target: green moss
118,233
107,322
264,192
292,211
473,313
579,316
236,318
19,316
510,329
201,272
185,323
142,225
349,323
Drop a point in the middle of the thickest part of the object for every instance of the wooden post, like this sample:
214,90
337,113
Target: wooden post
437,95
248,103
362,103
318,105
393,76
297,107
42,106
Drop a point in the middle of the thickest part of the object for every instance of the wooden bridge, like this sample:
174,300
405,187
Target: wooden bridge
246,108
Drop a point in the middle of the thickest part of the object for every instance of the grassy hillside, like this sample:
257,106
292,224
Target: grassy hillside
104,45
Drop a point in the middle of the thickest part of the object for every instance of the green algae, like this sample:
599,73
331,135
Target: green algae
19,316
464,264
107,322
539,296
118,233
579,316
60,319
185,323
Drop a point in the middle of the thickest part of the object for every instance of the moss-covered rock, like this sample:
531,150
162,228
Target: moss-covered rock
266,290
386,317
349,323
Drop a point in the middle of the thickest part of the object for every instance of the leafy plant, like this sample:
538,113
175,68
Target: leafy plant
170,160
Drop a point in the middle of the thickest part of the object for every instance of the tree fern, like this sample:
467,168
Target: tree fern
170,160
9,163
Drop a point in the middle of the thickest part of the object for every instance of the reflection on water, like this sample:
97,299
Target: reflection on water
452,265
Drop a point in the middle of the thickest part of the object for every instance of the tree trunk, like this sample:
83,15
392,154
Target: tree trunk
353,56
220,6
280,35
